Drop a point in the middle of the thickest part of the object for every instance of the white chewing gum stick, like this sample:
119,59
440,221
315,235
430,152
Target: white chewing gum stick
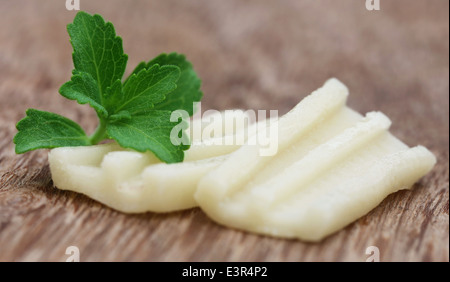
332,167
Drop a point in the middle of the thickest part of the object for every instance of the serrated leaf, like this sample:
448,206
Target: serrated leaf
84,89
40,129
148,131
142,65
97,49
188,85
146,88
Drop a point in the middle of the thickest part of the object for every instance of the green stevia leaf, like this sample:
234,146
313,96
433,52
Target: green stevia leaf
96,49
188,85
41,129
148,132
84,89
146,88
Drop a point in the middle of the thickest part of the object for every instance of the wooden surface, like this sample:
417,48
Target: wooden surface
251,55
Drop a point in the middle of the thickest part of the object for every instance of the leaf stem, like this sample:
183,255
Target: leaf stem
99,134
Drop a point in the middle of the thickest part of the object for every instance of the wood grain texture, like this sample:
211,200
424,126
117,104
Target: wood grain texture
251,55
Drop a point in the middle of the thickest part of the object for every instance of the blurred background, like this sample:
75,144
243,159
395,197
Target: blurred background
253,54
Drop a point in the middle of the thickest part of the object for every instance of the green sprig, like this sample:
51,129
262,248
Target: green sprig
135,113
